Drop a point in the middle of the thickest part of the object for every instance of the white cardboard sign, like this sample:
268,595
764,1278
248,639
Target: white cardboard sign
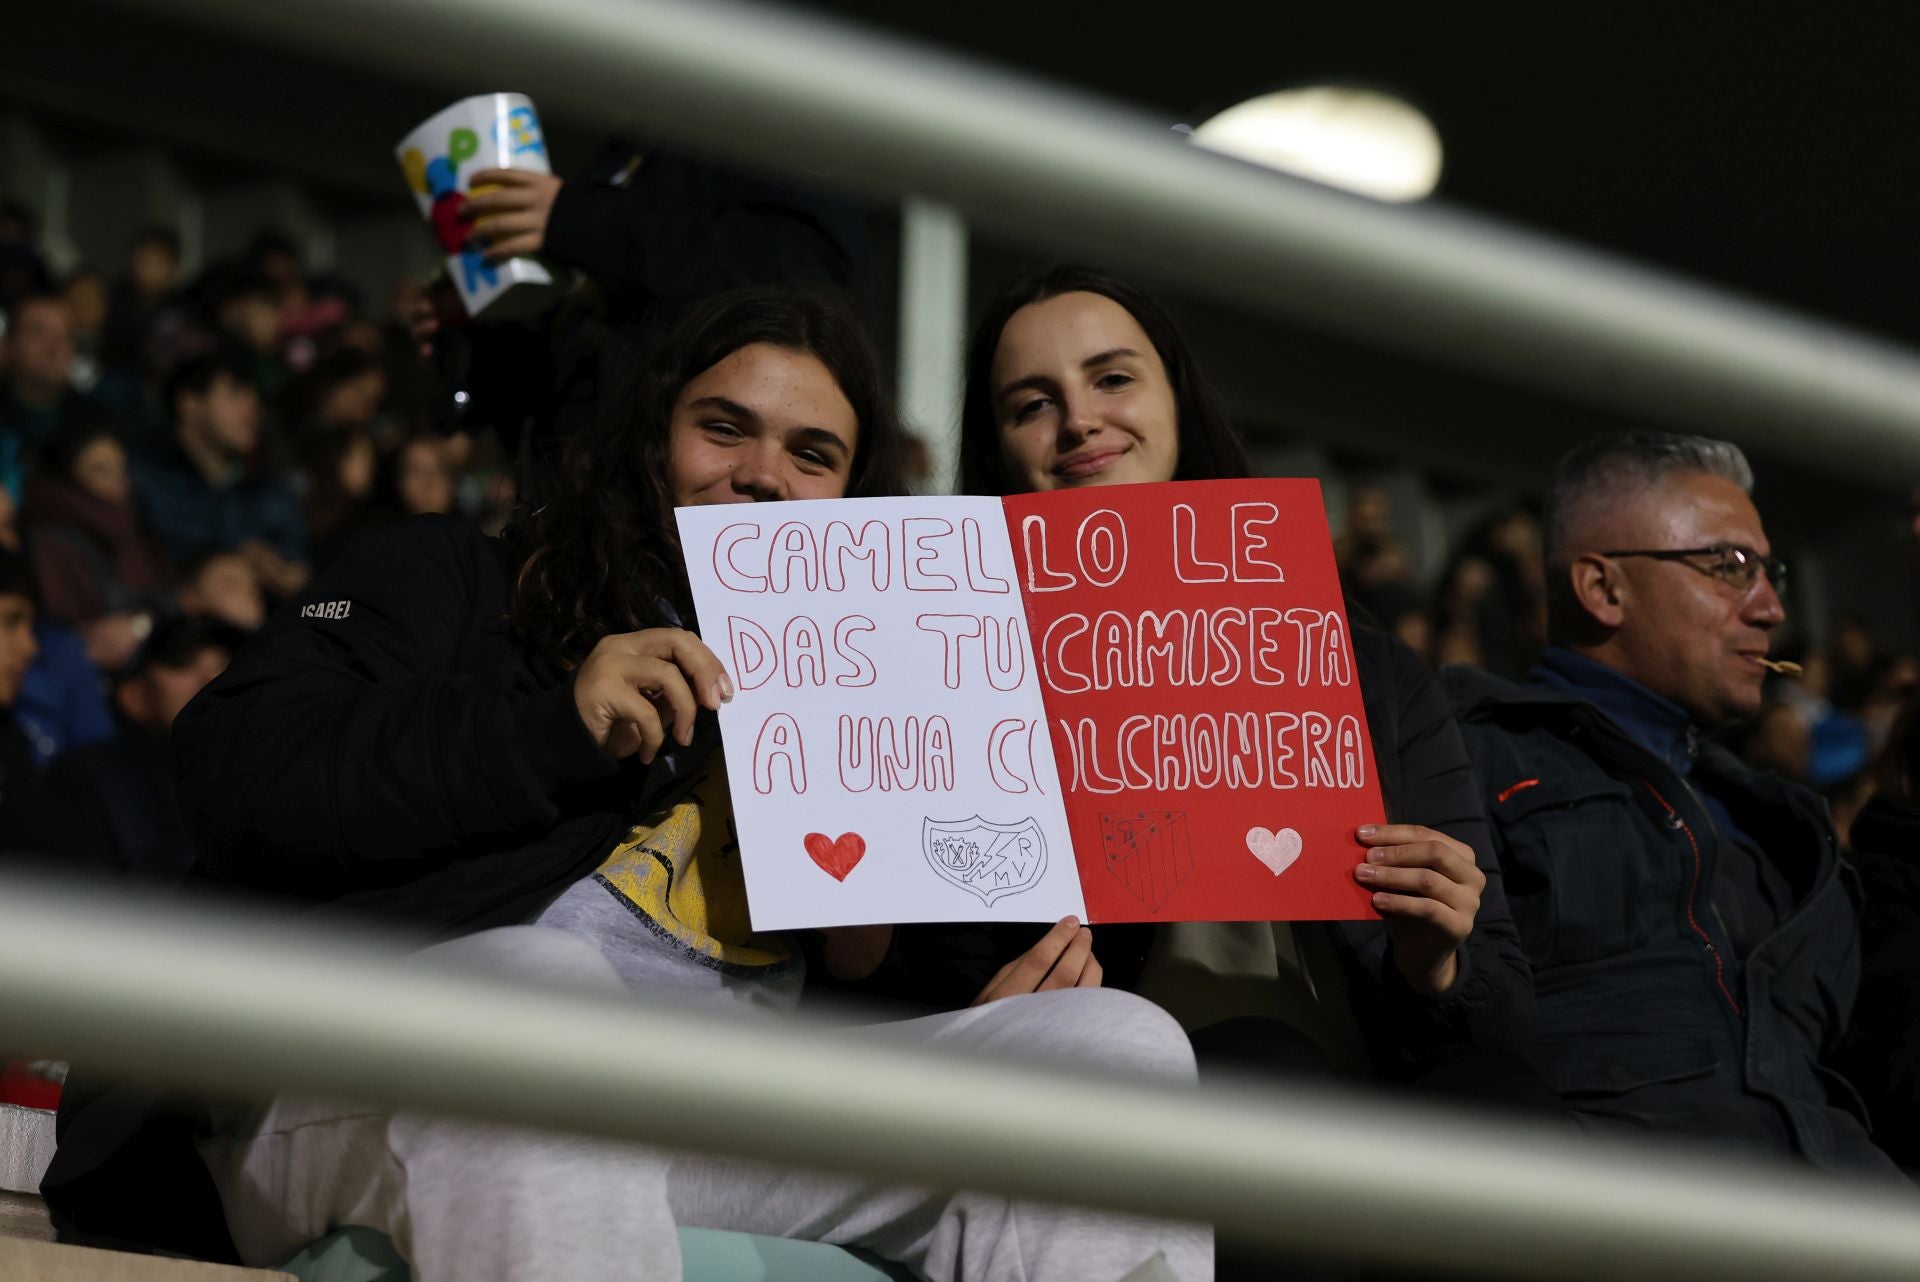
887,748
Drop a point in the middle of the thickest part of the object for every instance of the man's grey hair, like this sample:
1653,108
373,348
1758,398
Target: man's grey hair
1609,468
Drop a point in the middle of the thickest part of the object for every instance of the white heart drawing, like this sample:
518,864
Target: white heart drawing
1277,850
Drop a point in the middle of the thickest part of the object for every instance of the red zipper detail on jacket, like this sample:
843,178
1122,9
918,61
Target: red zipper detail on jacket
1719,962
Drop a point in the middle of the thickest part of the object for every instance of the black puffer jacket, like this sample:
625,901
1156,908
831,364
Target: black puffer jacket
1427,777
1647,1017
383,749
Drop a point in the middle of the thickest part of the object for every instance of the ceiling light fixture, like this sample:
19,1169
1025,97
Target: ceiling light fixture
1355,139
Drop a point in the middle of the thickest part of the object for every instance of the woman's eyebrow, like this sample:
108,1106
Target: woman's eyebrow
1035,382
721,403
1041,381
820,436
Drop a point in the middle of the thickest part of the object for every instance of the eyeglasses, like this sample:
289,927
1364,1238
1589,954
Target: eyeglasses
1733,565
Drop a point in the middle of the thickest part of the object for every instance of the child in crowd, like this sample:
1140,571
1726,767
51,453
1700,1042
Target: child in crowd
97,567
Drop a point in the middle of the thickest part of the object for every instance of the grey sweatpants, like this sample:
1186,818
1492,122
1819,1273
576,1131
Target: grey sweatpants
478,1203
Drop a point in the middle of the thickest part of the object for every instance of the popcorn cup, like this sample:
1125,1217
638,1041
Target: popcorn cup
439,159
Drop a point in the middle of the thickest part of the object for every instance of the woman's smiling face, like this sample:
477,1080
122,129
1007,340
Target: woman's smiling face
1080,397
764,423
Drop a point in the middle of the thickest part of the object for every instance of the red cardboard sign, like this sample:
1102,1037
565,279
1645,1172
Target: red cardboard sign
1196,666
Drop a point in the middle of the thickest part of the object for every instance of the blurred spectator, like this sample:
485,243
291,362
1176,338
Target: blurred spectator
62,704
1463,595
39,397
1369,528
310,311
1855,662
341,466
22,270
1493,599
223,586
486,485
1806,692
1399,608
417,480
153,271
17,223
96,566
1377,572
86,294
1837,748
1895,678
147,330
30,826
118,795
1367,552
410,375
1777,740
203,492
345,389
273,256
244,307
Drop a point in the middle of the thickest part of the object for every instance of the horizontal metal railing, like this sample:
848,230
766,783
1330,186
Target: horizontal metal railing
1085,178
225,1004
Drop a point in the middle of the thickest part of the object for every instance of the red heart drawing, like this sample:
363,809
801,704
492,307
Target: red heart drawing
836,856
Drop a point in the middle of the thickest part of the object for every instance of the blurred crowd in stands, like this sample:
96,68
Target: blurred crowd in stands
178,455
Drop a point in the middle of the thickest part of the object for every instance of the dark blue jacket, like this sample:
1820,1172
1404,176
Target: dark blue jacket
1645,1015
192,516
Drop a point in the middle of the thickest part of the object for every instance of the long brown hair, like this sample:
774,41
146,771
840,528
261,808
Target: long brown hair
600,554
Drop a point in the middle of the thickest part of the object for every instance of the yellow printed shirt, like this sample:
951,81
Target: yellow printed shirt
676,874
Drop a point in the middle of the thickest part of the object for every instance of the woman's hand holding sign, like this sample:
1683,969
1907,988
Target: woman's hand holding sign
1062,959
636,687
1427,889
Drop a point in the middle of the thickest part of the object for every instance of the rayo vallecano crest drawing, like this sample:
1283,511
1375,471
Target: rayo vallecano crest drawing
991,860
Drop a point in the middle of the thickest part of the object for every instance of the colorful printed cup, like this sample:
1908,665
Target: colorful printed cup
439,159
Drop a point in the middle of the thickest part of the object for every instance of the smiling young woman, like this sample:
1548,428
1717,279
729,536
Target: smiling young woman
1077,378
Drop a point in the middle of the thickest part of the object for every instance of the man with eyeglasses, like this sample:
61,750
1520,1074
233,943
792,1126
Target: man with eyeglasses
1694,951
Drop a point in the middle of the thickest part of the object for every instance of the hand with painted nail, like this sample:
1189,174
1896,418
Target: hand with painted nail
1062,959
1427,890
636,688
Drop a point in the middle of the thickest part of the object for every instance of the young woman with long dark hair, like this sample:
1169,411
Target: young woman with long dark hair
1075,378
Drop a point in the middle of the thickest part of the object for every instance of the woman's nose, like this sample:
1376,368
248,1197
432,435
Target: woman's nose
1078,419
759,474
